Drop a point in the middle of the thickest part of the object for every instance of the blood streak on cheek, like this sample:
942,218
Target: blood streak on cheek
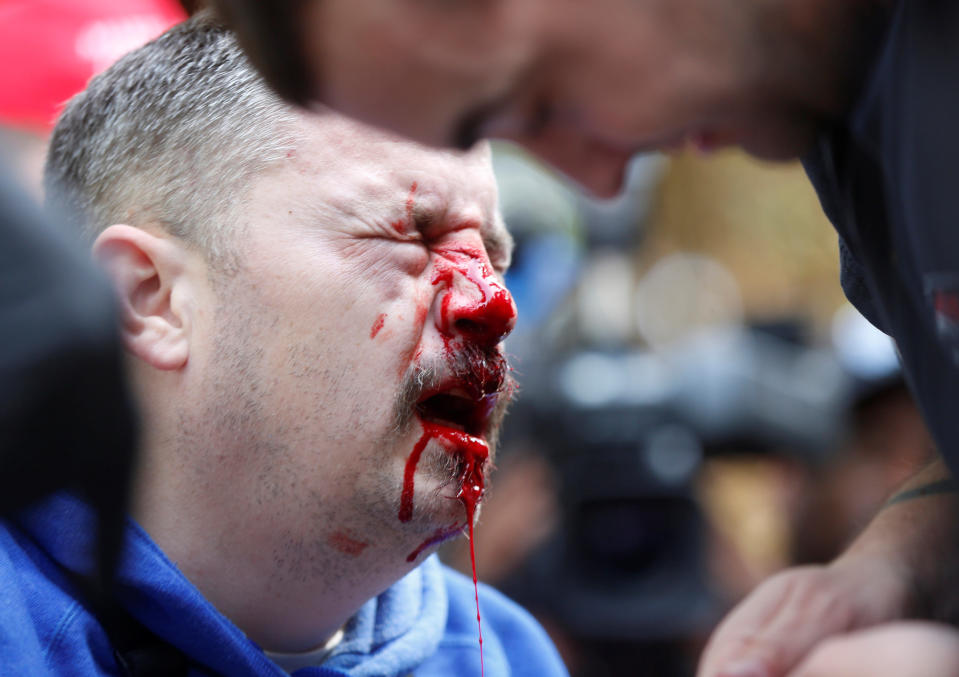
415,351
410,201
422,308
377,325
401,225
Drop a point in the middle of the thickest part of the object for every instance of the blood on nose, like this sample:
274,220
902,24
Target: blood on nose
487,322
475,305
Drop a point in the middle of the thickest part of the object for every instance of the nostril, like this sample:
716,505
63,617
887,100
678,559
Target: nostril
485,323
479,332
468,327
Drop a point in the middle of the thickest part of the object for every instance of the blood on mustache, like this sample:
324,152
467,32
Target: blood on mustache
479,372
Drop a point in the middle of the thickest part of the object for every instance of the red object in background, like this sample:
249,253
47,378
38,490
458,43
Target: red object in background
49,49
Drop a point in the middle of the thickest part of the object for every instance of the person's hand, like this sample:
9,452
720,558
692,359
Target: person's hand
909,649
901,566
788,616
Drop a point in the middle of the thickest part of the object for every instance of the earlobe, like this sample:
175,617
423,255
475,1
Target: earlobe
146,270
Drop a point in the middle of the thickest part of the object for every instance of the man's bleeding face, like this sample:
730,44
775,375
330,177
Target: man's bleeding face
358,373
459,398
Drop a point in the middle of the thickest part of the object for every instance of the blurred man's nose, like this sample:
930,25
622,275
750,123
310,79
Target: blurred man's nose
476,306
600,171
594,165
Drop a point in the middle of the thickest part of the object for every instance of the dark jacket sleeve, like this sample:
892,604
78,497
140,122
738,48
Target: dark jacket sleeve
66,419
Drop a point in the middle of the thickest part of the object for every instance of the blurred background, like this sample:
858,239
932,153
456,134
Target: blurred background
698,405
49,49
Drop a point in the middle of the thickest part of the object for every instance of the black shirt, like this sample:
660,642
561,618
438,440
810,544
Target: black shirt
889,180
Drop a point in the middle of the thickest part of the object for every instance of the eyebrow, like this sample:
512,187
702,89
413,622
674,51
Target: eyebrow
466,129
496,239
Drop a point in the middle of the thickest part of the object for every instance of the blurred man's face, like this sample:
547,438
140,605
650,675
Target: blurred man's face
583,85
364,322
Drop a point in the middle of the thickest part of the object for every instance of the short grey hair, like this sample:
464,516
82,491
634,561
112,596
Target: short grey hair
171,135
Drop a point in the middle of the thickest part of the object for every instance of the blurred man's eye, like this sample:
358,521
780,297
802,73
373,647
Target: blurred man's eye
501,123
539,118
479,121
467,131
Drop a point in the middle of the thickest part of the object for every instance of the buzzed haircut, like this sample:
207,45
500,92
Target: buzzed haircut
170,135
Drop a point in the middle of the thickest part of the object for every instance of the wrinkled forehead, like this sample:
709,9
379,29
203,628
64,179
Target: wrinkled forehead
366,172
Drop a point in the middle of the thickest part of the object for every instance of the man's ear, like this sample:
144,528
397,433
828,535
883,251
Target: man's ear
148,272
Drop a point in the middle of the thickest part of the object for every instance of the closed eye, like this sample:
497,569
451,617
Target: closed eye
423,219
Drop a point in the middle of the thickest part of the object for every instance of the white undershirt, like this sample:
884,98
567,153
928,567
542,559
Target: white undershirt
291,662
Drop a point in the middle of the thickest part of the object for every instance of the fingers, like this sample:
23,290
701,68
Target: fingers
775,627
904,649
771,631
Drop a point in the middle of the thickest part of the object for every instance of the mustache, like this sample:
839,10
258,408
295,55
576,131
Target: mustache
479,371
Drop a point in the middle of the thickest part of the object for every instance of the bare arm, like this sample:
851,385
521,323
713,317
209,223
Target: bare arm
917,530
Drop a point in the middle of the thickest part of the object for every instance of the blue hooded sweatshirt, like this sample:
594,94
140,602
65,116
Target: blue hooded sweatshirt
424,625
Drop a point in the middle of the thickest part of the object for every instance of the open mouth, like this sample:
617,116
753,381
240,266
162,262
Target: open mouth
456,409
459,424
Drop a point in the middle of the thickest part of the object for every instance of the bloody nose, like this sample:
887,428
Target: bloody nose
485,321
475,306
